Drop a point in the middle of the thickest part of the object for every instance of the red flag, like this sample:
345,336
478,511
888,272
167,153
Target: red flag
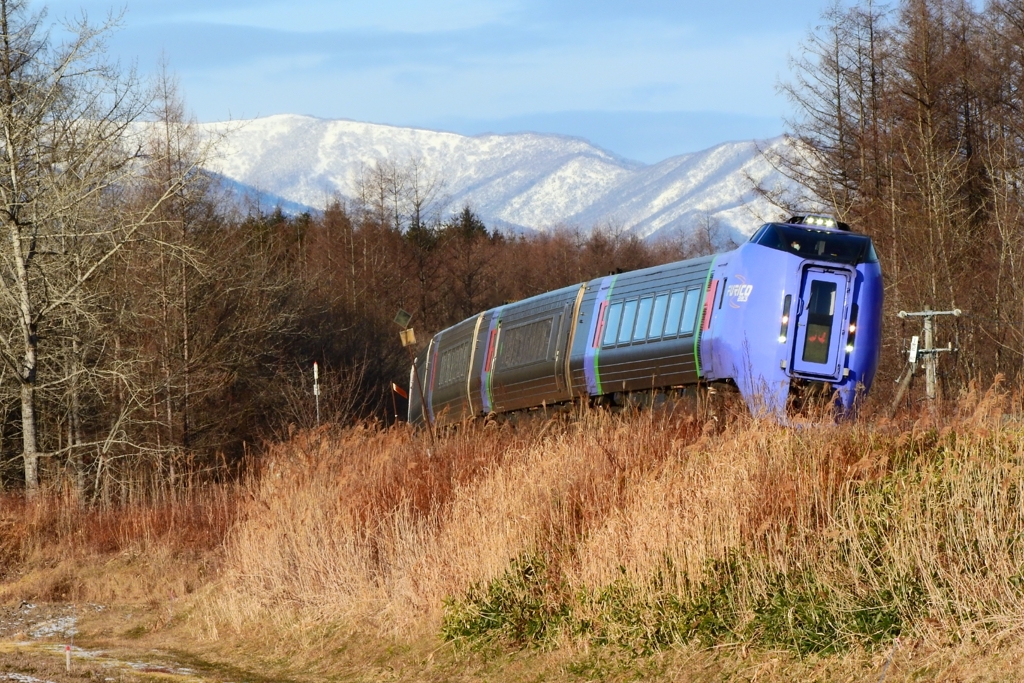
398,390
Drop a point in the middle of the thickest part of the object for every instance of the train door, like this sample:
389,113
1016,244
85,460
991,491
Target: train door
819,330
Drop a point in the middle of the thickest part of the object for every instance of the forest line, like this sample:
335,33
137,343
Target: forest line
152,328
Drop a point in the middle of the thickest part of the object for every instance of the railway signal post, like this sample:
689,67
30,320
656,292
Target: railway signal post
408,337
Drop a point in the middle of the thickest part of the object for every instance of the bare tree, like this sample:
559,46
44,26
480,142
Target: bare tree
68,152
706,237
907,124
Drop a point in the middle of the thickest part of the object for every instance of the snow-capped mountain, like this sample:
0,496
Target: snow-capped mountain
524,181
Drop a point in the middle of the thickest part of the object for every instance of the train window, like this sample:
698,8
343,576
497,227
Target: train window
690,312
821,245
524,344
643,319
453,365
675,309
820,313
628,315
611,325
658,316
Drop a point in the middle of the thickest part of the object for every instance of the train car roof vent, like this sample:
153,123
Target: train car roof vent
819,221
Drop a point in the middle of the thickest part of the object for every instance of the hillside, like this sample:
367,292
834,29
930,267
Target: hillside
522,182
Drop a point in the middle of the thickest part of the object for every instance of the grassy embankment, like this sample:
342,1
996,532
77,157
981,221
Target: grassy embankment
596,547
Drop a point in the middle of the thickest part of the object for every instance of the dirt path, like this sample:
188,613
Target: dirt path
35,638
29,662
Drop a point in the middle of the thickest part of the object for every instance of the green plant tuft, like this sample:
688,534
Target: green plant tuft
521,607
525,607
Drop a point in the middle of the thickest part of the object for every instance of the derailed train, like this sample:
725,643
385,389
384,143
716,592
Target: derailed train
796,308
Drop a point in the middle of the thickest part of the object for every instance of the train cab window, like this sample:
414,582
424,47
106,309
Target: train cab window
658,316
821,245
675,310
690,312
643,318
628,316
820,314
611,324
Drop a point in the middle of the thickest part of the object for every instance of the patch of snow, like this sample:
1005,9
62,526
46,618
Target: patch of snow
22,678
62,626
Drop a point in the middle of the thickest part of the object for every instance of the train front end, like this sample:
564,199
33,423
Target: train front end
795,313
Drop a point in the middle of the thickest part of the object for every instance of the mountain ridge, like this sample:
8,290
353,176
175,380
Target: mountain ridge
524,182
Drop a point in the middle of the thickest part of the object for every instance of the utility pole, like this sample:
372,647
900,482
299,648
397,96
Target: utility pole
929,359
929,352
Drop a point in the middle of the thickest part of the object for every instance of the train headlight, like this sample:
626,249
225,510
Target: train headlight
852,329
784,330
823,221
819,221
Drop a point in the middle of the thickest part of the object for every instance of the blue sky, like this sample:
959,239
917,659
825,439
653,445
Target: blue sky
646,79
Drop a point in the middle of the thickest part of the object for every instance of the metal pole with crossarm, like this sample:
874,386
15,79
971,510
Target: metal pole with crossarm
929,352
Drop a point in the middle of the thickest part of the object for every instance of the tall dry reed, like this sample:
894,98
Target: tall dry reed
911,526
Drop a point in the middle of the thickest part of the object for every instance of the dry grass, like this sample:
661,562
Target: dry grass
654,533
53,549
375,530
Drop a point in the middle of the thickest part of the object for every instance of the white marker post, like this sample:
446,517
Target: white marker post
316,390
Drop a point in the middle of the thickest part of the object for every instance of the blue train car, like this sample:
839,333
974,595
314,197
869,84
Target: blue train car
796,308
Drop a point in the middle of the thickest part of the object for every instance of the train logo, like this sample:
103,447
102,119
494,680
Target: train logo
739,293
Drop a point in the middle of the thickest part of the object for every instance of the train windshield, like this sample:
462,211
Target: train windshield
820,245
